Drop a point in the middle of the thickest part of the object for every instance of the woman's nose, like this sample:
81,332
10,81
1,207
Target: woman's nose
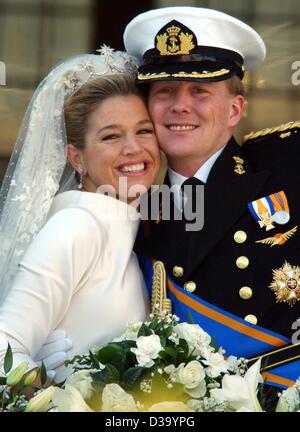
132,145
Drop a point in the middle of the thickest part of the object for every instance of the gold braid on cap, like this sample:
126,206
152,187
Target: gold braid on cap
284,129
182,74
160,303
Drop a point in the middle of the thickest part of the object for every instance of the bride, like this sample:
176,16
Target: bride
66,256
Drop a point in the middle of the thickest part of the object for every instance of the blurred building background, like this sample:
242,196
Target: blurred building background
36,34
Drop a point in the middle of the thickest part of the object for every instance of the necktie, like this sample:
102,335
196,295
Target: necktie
190,190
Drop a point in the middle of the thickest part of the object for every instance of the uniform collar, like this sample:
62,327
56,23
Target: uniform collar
201,174
177,179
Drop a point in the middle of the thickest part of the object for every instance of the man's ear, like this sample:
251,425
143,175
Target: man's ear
236,110
75,157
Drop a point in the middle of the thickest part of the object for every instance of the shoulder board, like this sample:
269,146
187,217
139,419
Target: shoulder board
283,129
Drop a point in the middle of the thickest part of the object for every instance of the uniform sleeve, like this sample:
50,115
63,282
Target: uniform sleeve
56,265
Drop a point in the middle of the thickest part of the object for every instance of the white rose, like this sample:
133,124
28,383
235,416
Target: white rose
82,381
216,364
69,400
148,348
115,399
192,377
197,339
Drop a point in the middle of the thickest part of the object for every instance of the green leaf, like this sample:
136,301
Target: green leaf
190,318
43,374
94,360
155,325
108,375
144,331
164,356
8,359
112,373
182,351
131,376
128,344
130,359
163,341
106,354
119,361
172,352
184,346
212,343
168,332
99,377
2,380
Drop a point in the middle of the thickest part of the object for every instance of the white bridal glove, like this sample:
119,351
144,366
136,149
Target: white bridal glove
54,351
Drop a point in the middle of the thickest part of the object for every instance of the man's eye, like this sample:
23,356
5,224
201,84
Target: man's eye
198,90
164,90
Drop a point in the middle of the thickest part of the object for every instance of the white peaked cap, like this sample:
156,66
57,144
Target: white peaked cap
211,38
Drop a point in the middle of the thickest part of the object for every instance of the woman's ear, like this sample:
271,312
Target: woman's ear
75,157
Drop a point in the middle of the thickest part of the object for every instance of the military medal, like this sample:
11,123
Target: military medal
281,217
278,239
270,209
286,284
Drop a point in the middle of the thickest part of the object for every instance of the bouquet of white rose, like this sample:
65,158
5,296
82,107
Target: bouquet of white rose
158,365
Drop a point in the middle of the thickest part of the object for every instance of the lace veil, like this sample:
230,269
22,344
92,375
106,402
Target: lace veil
38,166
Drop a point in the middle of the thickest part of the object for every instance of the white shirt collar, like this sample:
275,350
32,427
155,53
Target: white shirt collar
177,179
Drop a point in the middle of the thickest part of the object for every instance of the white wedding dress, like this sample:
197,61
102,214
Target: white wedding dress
79,274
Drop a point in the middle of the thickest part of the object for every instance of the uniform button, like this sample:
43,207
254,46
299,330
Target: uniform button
242,262
178,271
190,286
251,319
246,293
240,237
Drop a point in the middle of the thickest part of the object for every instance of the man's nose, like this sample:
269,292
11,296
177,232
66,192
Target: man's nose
181,102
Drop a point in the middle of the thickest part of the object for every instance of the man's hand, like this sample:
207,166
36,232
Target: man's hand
54,351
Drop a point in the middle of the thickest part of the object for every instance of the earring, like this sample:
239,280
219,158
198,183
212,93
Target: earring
80,172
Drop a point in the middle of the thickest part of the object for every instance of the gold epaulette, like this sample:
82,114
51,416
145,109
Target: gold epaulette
284,129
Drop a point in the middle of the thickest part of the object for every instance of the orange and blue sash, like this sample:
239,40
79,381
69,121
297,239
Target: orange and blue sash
236,336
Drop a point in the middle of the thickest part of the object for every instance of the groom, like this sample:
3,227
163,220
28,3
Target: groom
238,277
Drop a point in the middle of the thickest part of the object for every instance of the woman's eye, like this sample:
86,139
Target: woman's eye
146,132
109,137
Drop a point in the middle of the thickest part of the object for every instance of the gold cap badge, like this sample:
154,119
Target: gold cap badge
286,284
175,39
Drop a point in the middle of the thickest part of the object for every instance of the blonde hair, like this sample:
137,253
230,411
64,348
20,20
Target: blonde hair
86,100
235,86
